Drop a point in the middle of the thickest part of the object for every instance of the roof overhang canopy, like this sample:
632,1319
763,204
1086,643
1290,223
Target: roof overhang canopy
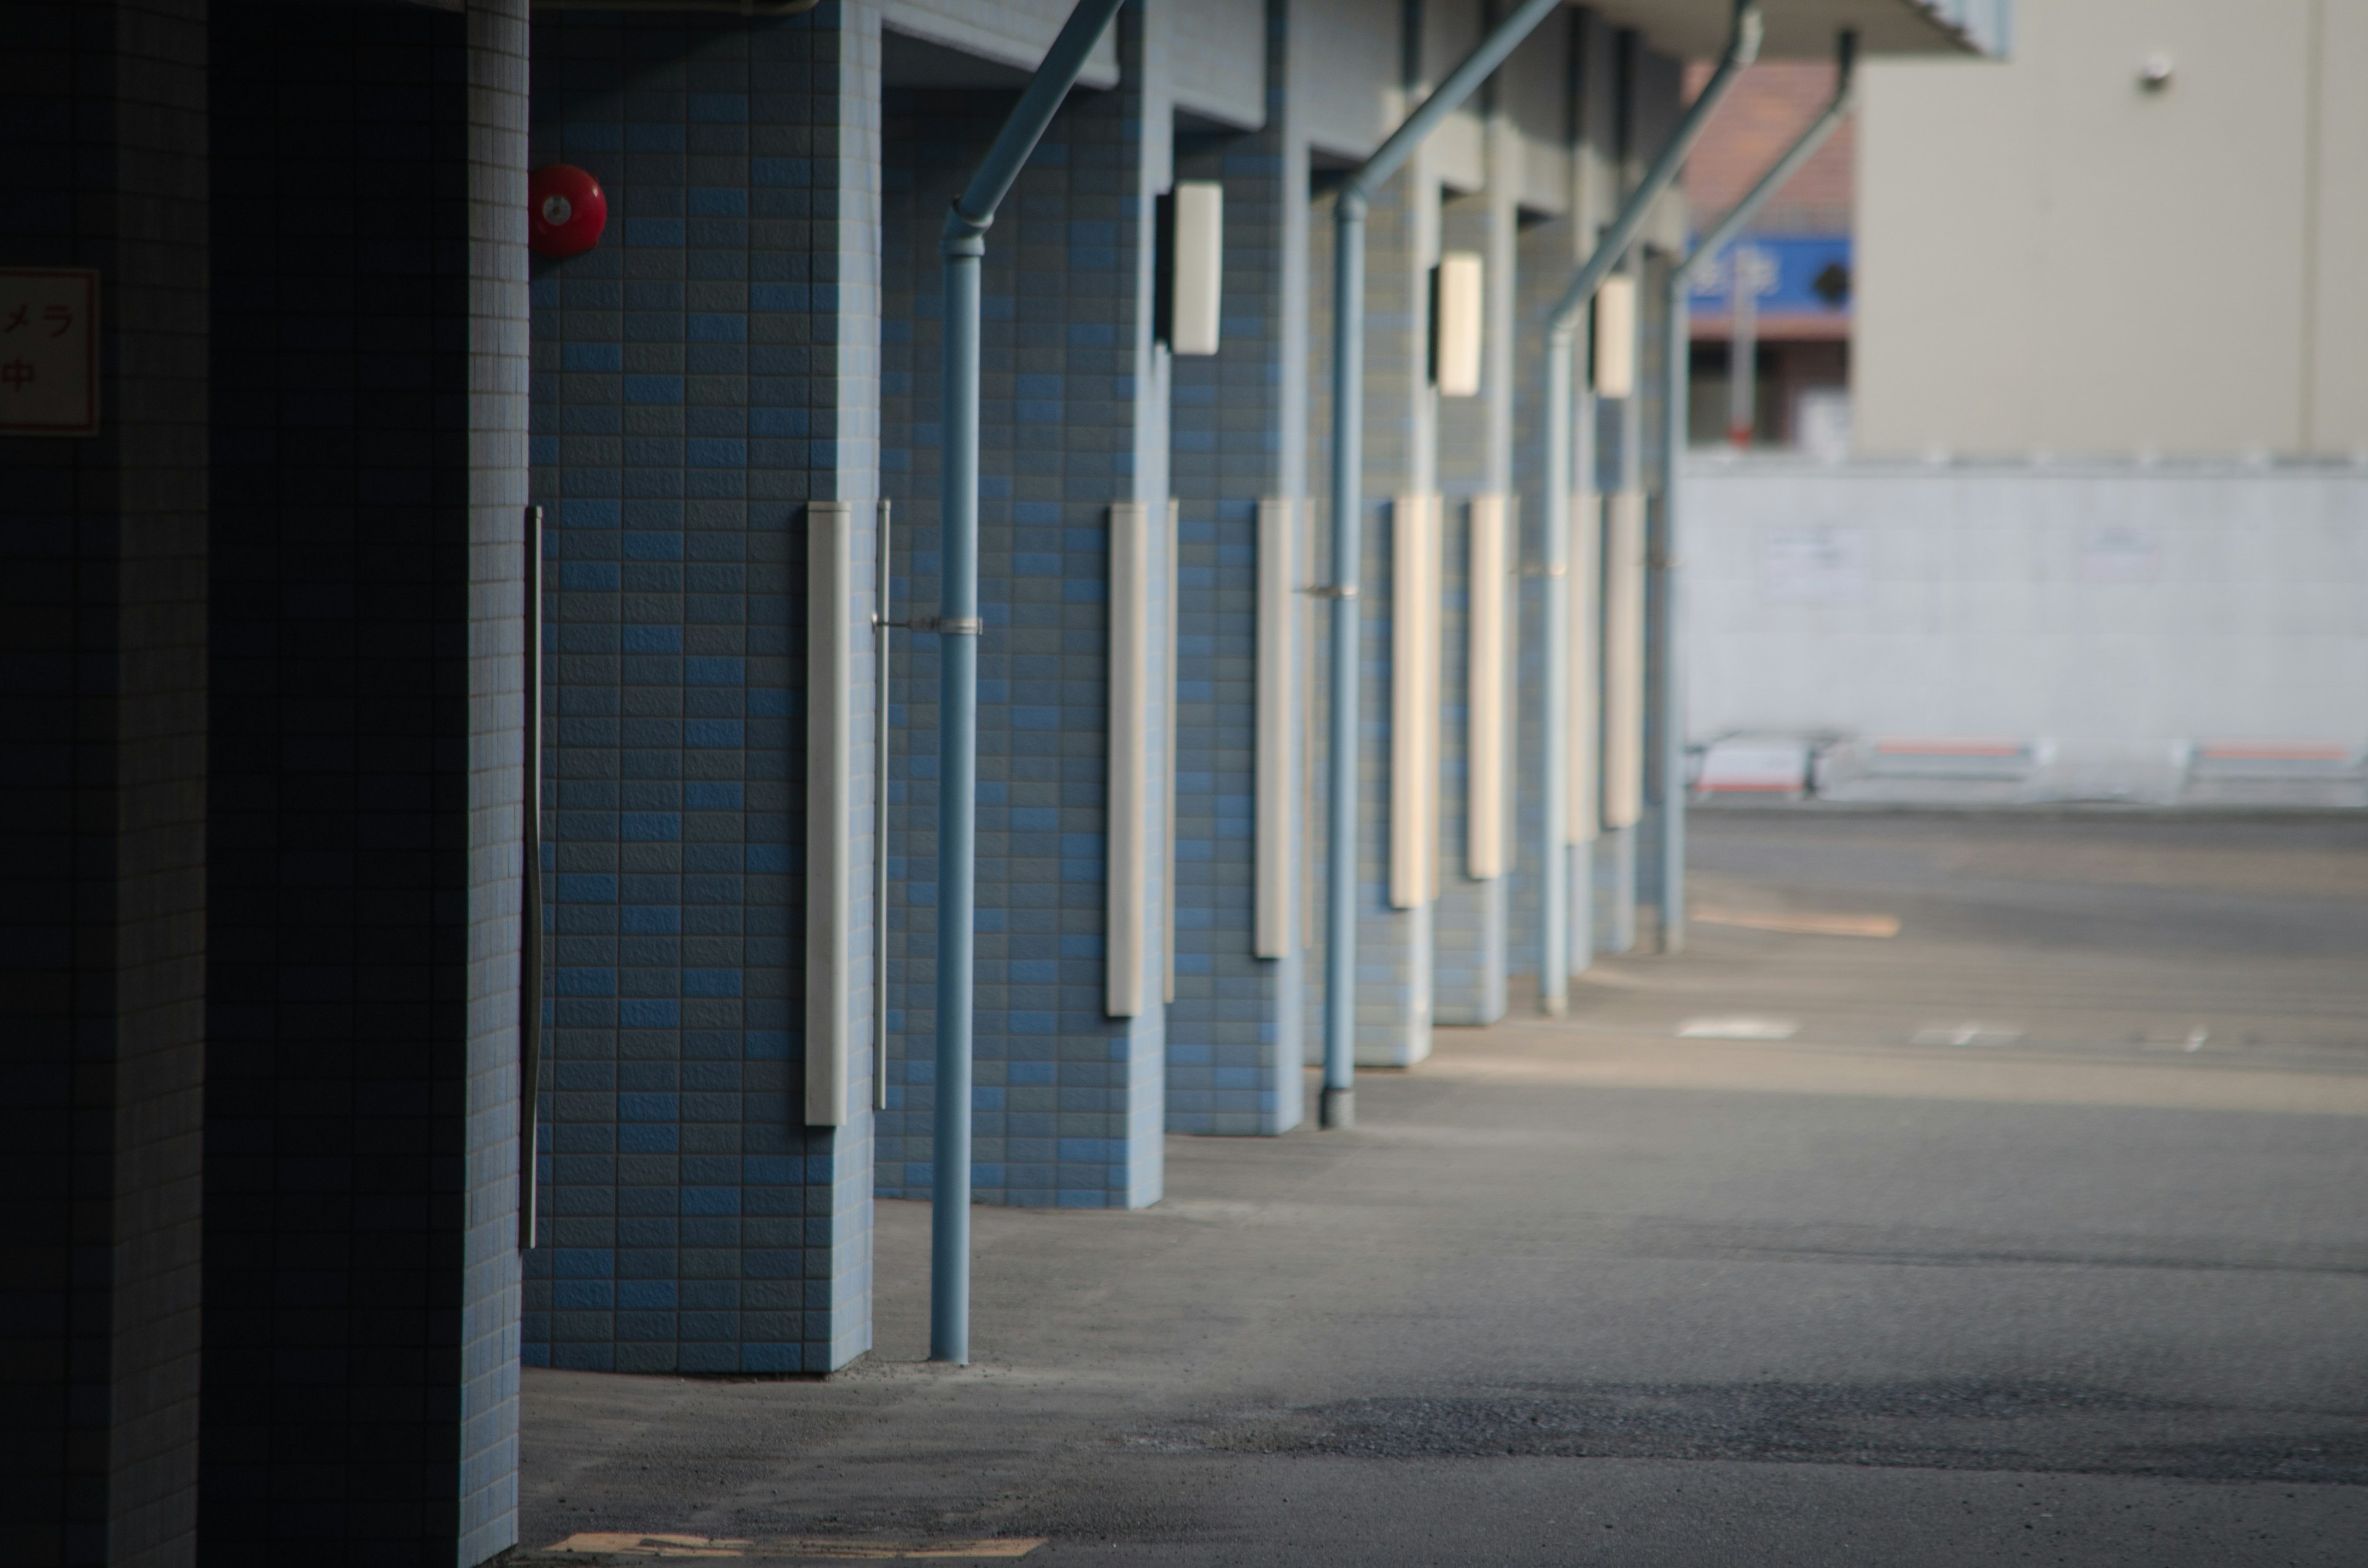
1693,29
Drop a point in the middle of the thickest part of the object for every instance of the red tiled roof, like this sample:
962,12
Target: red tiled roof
1768,108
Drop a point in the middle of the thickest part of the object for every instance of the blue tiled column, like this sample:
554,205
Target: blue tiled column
359,1393
700,377
1475,457
1073,417
1652,441
1547,257
1235,1030
1395,974
1550,252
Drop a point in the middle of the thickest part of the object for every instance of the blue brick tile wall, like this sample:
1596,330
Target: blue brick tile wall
1395,946
1475,459
1542,270
1320,567
360,1276
1239,433
1467,936
102,770
848,324
1068,1100
703,373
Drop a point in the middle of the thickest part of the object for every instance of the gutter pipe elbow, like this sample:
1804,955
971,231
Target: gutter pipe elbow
961,235
1836,109
1742,49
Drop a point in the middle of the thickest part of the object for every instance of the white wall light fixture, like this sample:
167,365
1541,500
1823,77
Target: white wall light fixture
1455,324
1615,337
1191,262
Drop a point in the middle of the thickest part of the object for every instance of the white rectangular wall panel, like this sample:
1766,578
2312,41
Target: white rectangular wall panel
1199,272
1414,701
1624,660
1487,632
1583,755
1128,824
1174,644
1278,673
1459,324
830,849
1615,337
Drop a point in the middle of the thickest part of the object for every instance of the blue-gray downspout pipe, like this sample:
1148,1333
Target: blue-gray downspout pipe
1338,1105
1561,334
1665,700
963,245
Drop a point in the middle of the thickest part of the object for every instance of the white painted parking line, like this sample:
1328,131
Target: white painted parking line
1738,1029
1802,922
1967,1034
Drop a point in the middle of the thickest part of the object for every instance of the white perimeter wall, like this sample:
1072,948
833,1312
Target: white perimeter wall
2173,603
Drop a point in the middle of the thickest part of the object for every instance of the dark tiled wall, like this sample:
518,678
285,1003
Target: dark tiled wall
368,447
102,777
1239,434
700,376
1073,418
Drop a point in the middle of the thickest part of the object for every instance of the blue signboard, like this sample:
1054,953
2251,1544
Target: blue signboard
1799,275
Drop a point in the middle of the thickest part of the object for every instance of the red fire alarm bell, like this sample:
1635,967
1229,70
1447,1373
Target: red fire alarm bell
567,211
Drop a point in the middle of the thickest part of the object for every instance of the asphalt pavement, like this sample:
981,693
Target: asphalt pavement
1973,1189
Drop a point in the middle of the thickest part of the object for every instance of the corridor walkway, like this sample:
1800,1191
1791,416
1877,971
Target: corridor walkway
2031,1232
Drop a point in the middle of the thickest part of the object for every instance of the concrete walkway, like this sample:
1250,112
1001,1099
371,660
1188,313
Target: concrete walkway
2041,1237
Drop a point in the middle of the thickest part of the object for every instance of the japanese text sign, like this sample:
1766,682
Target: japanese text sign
48,351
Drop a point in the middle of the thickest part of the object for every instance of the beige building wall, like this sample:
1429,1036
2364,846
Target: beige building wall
2051,258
